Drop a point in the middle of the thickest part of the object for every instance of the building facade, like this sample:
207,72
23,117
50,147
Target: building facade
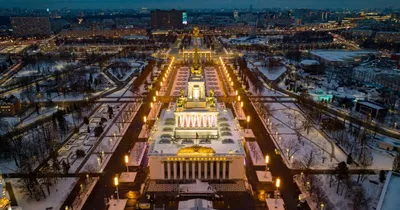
196,137
168,19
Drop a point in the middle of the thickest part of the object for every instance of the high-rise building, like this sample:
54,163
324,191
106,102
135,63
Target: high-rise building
236,14
168,19
31,26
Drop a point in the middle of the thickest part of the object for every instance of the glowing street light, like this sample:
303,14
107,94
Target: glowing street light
322,206
154,98
236,92
248,120
116,182
126,162
266,164
277,185
238,98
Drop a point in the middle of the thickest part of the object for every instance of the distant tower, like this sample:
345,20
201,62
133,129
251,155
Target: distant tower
236,14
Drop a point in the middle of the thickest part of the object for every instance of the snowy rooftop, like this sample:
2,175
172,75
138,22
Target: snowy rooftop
223,146
339,55
371,104
390,194
309,62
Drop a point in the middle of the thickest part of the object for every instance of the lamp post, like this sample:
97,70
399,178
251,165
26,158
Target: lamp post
151,107
126,162
266,164
322,206
277,185
248,120
116,182
145,123
241,107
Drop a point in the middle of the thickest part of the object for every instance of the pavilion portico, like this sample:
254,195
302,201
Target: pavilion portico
195,120
188,55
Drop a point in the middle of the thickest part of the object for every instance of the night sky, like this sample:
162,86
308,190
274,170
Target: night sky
124,4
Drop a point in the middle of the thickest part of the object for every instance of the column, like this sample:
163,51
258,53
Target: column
205,169
218,169
209,120
224,169
199,171
181,170
187,169
212,169
198,121
181,120
163,169
193,170
175,175
176,121
169,170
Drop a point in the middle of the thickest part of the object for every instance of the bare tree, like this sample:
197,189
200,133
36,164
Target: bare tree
359,199
308,161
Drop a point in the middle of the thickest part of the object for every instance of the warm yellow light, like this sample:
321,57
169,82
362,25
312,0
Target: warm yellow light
145,119
241,104
266,159
116,181
238,98
151,104
236,92
126,159
154,98
248,118
278,183
157,93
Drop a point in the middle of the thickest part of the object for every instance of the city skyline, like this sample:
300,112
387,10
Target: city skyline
180,4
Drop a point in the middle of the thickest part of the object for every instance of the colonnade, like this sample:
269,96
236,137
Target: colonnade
195,121
196,169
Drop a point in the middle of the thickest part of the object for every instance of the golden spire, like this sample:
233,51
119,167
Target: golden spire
196,69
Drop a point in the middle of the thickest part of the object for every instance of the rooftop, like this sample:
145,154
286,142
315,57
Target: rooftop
228,144
390,193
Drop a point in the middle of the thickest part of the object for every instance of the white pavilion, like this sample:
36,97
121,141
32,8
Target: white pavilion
196,137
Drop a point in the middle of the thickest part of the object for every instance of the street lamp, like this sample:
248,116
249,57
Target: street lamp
236,93
322,206
266,163
126,162
238,98
277,185
248,120
116,185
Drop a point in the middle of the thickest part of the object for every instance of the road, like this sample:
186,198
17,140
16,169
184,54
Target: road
289,189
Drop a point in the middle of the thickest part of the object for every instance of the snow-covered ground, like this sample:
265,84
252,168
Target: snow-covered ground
212,81
59,193
285,123
181,81
256,155
342,199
